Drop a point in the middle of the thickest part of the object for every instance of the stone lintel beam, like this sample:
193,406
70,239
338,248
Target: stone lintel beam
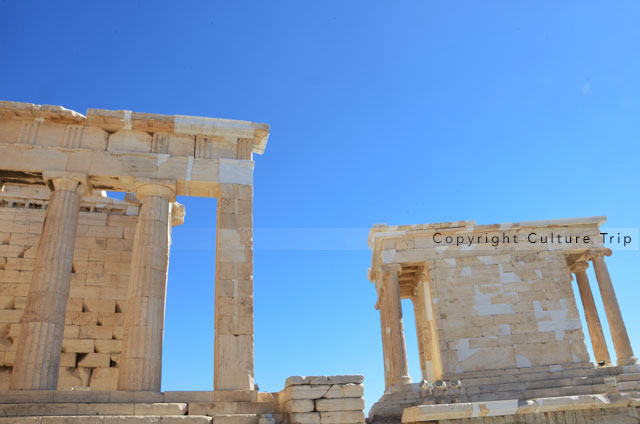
121,171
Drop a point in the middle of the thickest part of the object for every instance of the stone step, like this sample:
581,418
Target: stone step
537,384
62,409
235,408
536,393
114,419
629,377
98,396
522,371
513,378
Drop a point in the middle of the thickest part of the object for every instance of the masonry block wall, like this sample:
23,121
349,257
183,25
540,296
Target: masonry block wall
95,311
508,310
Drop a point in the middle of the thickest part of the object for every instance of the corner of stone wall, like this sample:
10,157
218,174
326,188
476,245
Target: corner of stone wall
323,400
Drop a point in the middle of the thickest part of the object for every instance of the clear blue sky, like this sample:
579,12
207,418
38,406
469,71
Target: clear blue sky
397,112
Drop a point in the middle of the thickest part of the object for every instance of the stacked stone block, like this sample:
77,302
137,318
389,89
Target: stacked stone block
93,330
510,312
233,348
323,399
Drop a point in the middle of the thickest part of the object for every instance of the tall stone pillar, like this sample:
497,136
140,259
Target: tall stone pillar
141,362
40,342
422,329
395,353
621,342
591,314
233,347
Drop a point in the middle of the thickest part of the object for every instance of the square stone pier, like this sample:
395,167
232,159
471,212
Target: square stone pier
497,321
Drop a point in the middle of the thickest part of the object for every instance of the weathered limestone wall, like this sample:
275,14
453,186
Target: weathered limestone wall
508,310
323,400
95,311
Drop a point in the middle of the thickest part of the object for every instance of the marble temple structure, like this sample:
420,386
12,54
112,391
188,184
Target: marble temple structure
498,329
83,276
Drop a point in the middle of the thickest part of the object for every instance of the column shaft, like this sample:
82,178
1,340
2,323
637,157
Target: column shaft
141,363
618,330
233,347
591,315
395,360
40,343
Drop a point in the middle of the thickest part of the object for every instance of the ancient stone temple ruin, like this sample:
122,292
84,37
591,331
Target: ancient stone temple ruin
499,333
83,282
83,276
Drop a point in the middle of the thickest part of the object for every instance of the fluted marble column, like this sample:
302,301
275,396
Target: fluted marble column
621,342
395,353
40,342
591,314
141,363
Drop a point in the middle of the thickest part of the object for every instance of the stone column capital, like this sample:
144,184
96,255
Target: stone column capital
163,189
594,253
391,269
63,180
579,266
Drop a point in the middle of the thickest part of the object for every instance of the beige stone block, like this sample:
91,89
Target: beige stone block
93,360
343,417
345,391
10,316
114,319
187,419
119,244
108,280
305,418
130,141
189,396
24,239
181,145
237,419
340,404
131,419
108,231
9,358
236,396
118,333
160,409
74,305
68,360
212,408
99,305
77,345
72,420
81,318
80,292
108,346
106,409
298,405
310,391
73,377
103,332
